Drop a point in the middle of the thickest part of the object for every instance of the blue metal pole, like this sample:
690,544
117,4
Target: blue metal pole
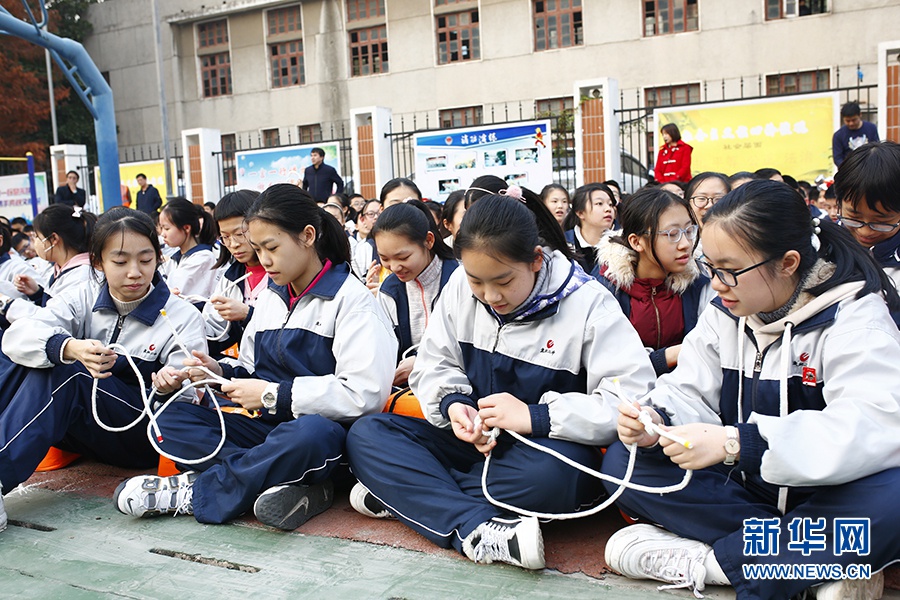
31,184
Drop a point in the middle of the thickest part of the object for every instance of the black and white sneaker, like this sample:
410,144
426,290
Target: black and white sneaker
516,541
151,495
362,500
290,506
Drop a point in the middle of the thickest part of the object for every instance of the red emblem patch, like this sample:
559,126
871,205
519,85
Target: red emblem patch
809,376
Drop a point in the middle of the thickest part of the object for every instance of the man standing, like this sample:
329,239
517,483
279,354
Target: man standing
70,193
853,134
319,178
148,199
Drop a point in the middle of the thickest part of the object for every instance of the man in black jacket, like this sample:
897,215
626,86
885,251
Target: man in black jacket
70,193
148,199
319,178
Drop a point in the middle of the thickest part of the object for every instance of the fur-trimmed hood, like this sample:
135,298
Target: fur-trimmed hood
621,263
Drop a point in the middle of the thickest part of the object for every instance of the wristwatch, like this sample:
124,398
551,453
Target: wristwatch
270,398
732,445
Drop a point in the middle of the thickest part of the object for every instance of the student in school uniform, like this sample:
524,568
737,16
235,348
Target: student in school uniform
190,272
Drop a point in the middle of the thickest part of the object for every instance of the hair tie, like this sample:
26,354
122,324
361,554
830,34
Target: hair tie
513,191
76,212
814,240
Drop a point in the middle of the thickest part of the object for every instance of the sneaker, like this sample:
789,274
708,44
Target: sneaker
290,506
362,500
515,541
3,521
151,495
648,552
850,589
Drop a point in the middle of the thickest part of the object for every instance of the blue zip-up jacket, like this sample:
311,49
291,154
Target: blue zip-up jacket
332,354
395,301
887,254
561,360
826,414
87,311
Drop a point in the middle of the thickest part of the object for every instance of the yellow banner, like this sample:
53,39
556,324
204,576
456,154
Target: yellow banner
790,134
156,176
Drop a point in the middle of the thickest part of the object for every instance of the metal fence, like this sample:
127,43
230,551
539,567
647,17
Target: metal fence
338,133
405,127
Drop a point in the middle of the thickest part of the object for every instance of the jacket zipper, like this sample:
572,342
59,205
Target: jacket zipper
658,320
118,330
281,331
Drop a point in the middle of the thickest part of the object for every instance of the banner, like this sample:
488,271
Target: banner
259,169
155,171
15,195
450,159
790,134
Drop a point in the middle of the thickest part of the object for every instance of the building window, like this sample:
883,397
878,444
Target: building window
457,36
358,10
561,112
368,51
795,83
270,138
460,117
310,133
215,58
216,74
229,145
780,9
669,16
284,35
557,24
669,95
213,34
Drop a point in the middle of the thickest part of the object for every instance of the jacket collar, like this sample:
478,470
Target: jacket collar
4,256
147,311
326,288
621,265
178,255
887,253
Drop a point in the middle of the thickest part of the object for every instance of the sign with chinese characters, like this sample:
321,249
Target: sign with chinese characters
451,159
15,195
791,134
259,169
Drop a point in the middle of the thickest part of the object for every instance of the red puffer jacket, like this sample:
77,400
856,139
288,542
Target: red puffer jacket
673,164
656,313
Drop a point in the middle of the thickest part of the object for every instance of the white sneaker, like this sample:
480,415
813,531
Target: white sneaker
648,552
362,500
3,520
151,495
852,589
516,541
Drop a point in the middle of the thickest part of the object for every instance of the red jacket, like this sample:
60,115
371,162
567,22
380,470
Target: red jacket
673,164
656,313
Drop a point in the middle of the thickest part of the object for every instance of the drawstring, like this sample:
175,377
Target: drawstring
742,324
783,397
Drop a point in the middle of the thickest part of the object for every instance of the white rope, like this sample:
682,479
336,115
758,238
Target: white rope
229,285
623,483
153,432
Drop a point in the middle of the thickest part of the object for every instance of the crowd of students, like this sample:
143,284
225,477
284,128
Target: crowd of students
751,317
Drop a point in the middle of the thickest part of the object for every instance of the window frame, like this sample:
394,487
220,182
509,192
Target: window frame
688,87
210,67
285,50
472,27
577,32
670,20
477,116
383,51
815,73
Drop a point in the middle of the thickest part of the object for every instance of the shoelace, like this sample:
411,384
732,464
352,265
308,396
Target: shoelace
494,543
183,494
676,565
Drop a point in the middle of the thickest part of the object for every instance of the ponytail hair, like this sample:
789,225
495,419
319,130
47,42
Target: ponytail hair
233,204
184,213
505,227
292,209
412,220
73,227
769,218
482,186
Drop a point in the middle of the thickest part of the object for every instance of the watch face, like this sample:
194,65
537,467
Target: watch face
732,446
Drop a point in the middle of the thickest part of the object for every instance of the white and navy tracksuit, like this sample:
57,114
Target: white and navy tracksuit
46,401
222,334
887,254
68,277
332,354
394,298
558,354
192,273
364,252
819,424
12,265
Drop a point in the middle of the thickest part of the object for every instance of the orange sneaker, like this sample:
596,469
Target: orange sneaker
57,459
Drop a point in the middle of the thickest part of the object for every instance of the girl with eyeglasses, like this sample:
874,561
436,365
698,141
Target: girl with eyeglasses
593,214
704,191
786,393
231,305
189,228
867,186
649,267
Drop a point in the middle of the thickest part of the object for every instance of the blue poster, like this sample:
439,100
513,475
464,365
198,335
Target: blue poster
259,169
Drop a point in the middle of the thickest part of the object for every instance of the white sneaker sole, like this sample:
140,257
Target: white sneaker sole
869,589
531,529
623,540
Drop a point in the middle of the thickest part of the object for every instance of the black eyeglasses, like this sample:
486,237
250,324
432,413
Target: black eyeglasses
879,227
726,276
702,201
